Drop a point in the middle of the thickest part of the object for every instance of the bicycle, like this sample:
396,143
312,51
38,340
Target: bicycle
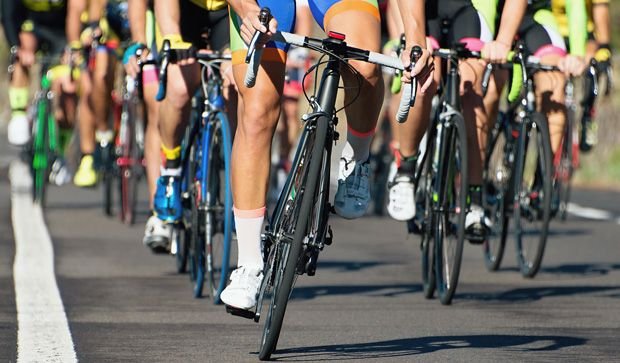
129,143
298,228
518,173
44,146
206,173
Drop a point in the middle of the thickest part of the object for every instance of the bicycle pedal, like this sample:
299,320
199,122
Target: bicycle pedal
330,236
248,314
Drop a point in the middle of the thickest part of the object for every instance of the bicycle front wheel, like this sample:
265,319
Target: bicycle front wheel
532,202
299,198
423,198
449,218
218,211
497,174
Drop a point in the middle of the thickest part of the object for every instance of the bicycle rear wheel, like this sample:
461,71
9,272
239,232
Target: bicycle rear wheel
498,170
218,211
449,218
284,256
130,161
563,169
197,258
532,202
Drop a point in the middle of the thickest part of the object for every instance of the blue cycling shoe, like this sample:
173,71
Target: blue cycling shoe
167,203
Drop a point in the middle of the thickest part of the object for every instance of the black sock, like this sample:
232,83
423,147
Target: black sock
475,195
408,164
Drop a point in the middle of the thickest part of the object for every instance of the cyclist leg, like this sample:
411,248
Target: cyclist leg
251,153
18,128
359,21
544,42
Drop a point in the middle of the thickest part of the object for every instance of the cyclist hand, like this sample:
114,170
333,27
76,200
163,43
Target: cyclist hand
603,54
184,52
495,52
572,65
91,33
251,24
130,58
423,69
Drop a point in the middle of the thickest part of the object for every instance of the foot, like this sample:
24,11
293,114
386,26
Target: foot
18,130
589,135
168,199
157,235
477,224
353,194
60,174
242,292
86,176
401,203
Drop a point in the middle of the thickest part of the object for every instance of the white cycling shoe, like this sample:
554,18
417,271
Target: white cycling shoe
157,235
353,194
401,203
477,224
18,130
242,292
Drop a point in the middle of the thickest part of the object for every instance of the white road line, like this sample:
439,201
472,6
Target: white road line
589,213
43,330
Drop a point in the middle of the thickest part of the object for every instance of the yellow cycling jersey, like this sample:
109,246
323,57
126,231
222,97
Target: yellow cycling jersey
43,5
210,5
559,10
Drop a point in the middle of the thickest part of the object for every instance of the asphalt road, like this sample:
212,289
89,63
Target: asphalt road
125,304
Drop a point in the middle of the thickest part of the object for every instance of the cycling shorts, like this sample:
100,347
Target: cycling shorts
284,12
203,28
465,24
540,34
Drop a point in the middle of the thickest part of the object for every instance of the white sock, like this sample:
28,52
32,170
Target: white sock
358,145
249,224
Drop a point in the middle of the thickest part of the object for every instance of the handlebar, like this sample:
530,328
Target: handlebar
325,46
169,55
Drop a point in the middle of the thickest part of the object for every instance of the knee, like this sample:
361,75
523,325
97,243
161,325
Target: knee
177,94
370,72
259,120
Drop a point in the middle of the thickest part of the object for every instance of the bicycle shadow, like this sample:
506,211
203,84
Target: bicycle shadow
425,345
582,270
379,290
538,293
348,266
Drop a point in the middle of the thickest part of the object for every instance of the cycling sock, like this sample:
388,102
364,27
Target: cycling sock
249,225
18,100
104,135
475,195
358,145
407,163
64,137
171,157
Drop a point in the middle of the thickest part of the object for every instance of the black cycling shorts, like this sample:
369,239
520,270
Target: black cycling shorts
456,21
203,28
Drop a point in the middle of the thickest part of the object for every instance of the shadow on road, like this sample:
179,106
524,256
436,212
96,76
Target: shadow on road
312,292
585,269
343,266
539,293
425,345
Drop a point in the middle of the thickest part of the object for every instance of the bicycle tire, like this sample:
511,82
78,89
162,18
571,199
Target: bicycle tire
197,242
529,205
41,162
130,170
449,219
564,168
218,211
424,196
283,287
496,183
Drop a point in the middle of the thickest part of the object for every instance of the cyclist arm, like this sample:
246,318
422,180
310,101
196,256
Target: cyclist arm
600,16
512,15
248,11
577,20
414,20
168,17
137,20
75,8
